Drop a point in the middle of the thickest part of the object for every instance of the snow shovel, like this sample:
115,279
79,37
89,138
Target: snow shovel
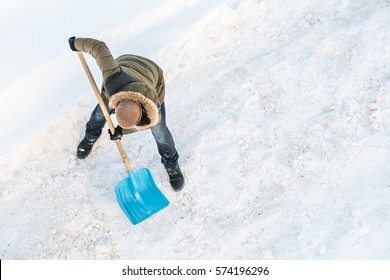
137,195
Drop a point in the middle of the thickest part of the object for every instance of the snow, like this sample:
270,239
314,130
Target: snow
280,111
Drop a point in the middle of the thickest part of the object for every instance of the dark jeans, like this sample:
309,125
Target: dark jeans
161,133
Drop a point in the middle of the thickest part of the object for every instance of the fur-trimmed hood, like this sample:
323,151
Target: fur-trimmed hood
148,107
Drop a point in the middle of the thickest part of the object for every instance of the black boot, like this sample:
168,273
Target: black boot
176,179
84,148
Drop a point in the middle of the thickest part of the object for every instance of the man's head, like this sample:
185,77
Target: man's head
128,113
136,105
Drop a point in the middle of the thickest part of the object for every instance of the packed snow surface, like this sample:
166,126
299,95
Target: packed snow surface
280,111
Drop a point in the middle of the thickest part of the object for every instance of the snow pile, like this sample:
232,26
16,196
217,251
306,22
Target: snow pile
281,115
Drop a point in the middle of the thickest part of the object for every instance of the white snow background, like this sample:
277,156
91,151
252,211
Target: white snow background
280,111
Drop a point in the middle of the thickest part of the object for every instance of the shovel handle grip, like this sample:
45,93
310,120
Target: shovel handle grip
104,109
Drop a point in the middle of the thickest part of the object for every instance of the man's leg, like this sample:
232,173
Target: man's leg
95,124
93,131
167,150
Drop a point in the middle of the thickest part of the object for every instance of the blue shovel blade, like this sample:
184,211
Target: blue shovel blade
139,197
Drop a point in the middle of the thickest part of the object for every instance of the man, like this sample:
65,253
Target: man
134,89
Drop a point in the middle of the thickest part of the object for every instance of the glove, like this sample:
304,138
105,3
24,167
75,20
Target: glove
71,43
117,135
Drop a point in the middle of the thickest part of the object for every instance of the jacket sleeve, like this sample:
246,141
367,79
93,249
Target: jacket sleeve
98,50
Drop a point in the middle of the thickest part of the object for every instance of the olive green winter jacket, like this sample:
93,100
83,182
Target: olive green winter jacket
127,75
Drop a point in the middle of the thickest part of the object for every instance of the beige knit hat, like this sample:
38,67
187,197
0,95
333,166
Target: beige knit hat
128,113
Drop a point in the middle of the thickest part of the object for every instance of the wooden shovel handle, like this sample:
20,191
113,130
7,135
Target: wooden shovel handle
104,109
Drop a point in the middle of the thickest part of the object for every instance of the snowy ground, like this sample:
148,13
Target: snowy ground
280,111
